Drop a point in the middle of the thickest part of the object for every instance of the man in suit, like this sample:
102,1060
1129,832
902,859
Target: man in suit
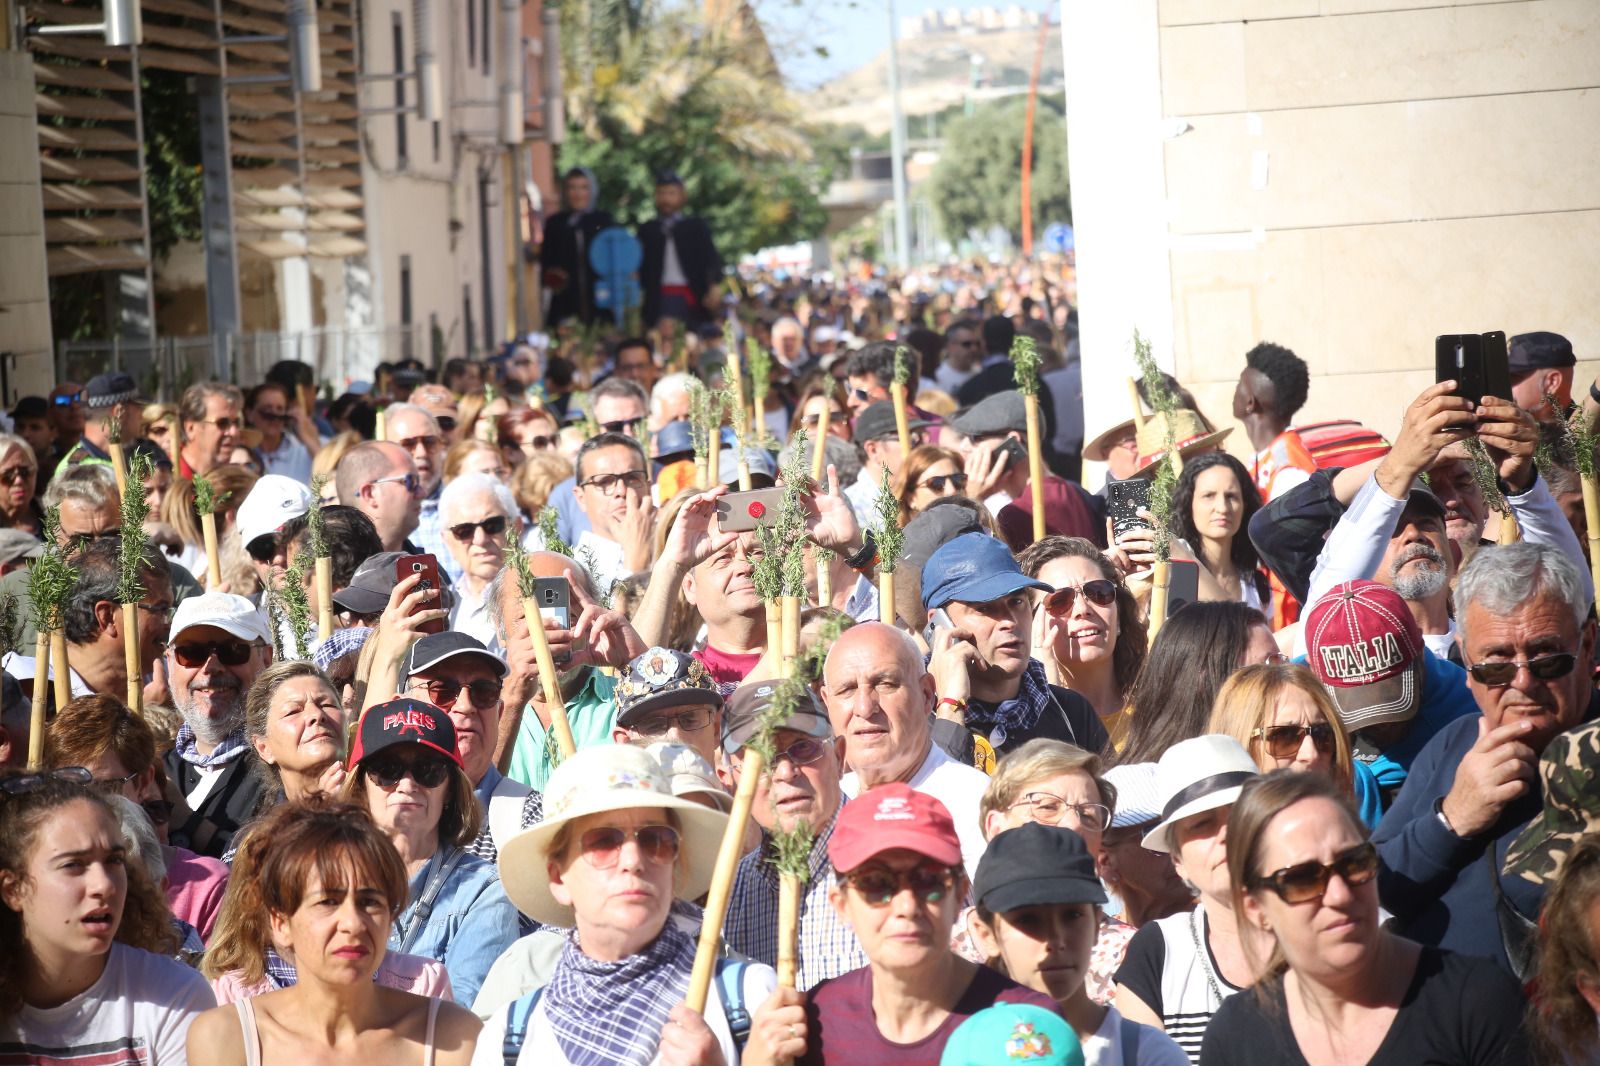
681,265
564,255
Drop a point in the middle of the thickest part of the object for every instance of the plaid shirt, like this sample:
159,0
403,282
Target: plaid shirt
828,947
430,536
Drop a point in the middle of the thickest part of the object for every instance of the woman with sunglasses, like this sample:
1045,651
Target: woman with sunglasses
929,473
406,771
525,432
1286,720
1335,987
617,848
1089,630
479,516
294,720
301,968
84,936
19,477
823,403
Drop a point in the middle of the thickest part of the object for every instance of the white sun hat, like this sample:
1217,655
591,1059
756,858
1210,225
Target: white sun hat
1197,775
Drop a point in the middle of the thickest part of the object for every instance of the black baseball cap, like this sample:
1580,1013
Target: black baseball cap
876,422
109,389
1034,865
370,586
750,701
436,648
404,721
662,678
1539,351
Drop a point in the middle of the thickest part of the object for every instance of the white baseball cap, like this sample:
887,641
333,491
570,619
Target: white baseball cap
224,610
273,500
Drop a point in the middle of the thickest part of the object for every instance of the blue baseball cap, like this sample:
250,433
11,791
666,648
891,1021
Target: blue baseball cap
673,439
1013,1032
973,568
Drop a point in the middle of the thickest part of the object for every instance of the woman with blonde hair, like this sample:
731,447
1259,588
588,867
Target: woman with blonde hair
157,420
1286,720
19,482
534,479
294,720
928,474
231,484
823,403
469,456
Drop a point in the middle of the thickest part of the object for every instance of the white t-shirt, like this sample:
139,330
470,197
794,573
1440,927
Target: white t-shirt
138,1012
1154,1048
956,785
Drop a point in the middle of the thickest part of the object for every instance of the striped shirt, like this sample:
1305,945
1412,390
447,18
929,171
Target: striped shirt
1177,979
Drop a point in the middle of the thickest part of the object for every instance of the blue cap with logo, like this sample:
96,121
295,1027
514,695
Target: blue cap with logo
973,568
1013,1033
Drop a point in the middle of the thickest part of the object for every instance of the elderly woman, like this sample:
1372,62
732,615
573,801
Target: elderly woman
293,717
1337,987
479,515
1286,720
19,475
615,850
324,886
525,432
407,773
900,883
1180,969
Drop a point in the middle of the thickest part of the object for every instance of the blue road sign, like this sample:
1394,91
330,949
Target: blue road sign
1058,238
615,256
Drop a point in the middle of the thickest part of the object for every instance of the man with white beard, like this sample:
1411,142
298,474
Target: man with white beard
218,644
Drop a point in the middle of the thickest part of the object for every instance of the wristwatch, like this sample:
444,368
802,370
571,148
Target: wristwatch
864,559
1438,812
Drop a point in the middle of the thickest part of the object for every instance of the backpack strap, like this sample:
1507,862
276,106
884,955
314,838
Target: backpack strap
518,1015
730,987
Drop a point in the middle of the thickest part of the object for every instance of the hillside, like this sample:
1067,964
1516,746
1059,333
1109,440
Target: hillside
935,73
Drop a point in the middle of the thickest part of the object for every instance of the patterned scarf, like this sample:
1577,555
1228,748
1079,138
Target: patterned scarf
1018,714
612,1012
230,749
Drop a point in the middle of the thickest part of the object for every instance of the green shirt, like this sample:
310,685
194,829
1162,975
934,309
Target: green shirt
591,711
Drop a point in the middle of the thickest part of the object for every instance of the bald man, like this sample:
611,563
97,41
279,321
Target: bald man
380,480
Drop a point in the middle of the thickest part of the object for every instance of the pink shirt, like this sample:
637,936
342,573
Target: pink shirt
195,884
408,973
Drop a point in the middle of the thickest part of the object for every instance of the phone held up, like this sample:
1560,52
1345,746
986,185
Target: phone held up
1476,362
428,567
1124,500
740,512
553,597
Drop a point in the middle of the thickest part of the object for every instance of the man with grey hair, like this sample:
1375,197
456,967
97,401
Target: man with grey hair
1527,634
480,516
210,412
417,433
669,400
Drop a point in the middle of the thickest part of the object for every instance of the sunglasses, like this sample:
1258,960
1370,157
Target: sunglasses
1049,809
14,474
1544,668
263,548
412,482
621,425
159,811
1283,741
272,416
1100,592
67,400
1307,881
426,772
483,695
538,444
879,887
194,654
604,483
690,721
223,424
601,847
21,786
410,443
939,481
446,423
466,531
837,418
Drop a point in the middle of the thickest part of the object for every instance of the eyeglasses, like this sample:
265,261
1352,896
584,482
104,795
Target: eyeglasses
837,418
113,784
1049,809
412,482
223,424
690,721
427,772
879,887
1307,881
446,423
1100,592
1283,741
939,481
621,425
272,416
601,847
538,444
66,400
356,618
442,692
862,395
410,443
194,654
465,532
12,475
26,783
160,611
604,483
1544,668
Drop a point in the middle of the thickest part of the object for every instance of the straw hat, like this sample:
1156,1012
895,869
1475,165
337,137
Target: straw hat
1098,448
1189,436
598,780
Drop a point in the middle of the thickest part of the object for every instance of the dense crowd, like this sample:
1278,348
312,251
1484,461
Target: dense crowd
1328,806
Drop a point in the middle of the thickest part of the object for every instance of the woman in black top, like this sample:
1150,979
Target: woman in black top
1339,989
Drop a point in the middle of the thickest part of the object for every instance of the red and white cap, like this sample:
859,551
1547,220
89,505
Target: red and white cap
1364,644
889,817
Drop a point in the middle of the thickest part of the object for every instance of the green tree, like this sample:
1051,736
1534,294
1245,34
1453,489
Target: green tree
977,181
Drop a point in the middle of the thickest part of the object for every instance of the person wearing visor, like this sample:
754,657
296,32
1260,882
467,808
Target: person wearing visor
667,695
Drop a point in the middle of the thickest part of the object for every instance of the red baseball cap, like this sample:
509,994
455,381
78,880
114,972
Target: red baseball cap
1364,644
893,816
404,721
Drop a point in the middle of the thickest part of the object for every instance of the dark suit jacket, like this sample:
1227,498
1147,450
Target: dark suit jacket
702,266
566,249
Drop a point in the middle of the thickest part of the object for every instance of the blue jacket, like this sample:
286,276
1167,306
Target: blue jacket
1445,697
470,924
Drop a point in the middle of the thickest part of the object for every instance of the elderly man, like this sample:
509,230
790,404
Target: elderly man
669,400
613,488
880,699
94,620
480,516
668,697
417,432
1527,638
441,403
219,643
801,788
380,480
210,415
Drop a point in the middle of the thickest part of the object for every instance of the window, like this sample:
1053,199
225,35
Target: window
405,305
398,33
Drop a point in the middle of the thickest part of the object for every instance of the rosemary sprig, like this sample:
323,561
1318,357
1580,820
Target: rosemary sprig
791,850
517,559
886,528
10,616
50,578
759,360
550,532
786,697
902,365
135,510
205,497
314,523
1573,446
113,428
1164,485
1485,474
296,607
705,420
1025,364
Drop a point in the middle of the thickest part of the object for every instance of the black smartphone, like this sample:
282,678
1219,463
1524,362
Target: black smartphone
1124,500
1476,362
1183,585
1014,451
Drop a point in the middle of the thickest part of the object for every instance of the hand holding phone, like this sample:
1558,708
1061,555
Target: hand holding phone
428,568
739,512
1476,362
1124,500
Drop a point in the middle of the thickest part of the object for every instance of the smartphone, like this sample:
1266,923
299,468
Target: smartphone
1183,584
1124,500
428,567
553,596
1476,362
1014,451
741,511
937,619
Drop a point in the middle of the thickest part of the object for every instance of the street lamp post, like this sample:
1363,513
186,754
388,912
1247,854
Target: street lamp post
897,149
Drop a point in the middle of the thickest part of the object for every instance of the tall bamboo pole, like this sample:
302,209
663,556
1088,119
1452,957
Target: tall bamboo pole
41,669
130,648
1591,518
716,911
548,680
789,887
62,667
1035,465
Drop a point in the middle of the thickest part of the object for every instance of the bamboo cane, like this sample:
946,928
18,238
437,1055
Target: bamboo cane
824,583
381,426
1511,530
130,647
789,633
1035,465
819,444
897,392
548,679
1591,518
41,668
208,526
62,667
307,398
789,888
118,467
705,956
774,626
324,598
1161,584
886,598
1138,404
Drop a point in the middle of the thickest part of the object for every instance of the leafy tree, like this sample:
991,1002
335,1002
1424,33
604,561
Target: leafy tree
976,183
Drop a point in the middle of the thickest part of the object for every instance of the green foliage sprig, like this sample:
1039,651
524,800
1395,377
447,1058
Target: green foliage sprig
135,510
550,533
886,527
314,523
759,360
517,559
50,578
1572,445
297,607
706,408
791,850
113,428
1485,474
10,619
206,499
1025,364
902,365
1164,486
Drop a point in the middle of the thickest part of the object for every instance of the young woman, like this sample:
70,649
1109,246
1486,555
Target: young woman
1213,503
84,934
294,719
1286,720
1038,909
929,473
1089,629
232,484
1568,961
1334,987
19,475
328,886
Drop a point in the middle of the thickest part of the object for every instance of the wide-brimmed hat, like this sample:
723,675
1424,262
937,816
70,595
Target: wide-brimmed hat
1197,775
1189,436
599,780
1098,448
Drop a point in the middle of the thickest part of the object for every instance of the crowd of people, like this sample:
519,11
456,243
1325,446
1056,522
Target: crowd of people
1333,810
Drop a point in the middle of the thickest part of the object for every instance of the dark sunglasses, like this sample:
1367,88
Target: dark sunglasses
838,418
1283,741
159,811
1307,881
465,531
601,847
1100,592
21,786
939,481
621,425
194,654
272,416
410,443
263,548
481,694
412,482
429,773
1544,668
223,424
446,423
879,887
